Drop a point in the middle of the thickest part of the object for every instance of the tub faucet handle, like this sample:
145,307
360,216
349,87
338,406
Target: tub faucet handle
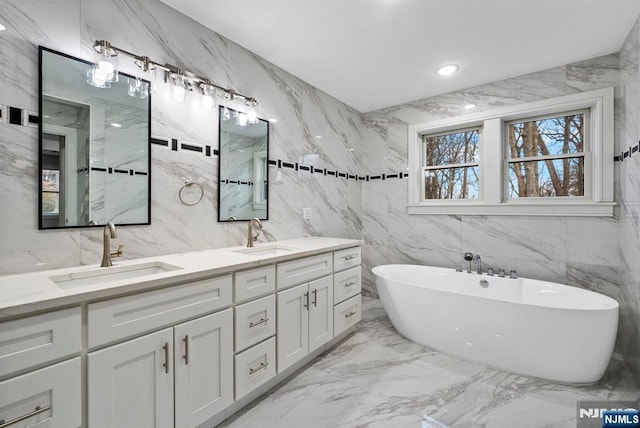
501,273
490,271
513,275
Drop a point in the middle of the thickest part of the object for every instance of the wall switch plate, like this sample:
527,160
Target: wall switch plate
306,213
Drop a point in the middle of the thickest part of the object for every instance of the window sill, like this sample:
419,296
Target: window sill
562,209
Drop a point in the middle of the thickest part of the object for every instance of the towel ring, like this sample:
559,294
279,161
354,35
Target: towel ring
187,184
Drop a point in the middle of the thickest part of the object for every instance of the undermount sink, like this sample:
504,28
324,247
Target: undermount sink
109,274
266,250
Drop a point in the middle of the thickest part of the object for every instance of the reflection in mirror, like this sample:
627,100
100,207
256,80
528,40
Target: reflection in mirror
242,169
94,147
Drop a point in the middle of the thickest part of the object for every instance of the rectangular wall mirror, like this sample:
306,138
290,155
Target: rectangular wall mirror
243,178
94,142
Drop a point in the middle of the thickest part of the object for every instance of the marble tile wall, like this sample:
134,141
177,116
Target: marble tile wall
629,198
151,28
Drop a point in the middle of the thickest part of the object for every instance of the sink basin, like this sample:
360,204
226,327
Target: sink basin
266,250
109,274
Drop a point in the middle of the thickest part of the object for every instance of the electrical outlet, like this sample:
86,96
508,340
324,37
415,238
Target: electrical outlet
306,213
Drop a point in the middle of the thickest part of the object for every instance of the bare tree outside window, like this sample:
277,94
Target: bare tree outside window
547,157
450,165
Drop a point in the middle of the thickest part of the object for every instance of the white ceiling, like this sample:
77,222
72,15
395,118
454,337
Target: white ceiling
372,54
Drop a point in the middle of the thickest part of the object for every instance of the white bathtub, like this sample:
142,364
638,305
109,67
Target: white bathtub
531,327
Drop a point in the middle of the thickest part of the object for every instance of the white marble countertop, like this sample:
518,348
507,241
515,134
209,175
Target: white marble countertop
22,294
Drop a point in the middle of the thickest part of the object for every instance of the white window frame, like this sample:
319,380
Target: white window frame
425,168
599,198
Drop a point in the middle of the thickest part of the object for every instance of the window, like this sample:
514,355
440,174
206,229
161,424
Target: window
451,165
50,191
551,157
547,156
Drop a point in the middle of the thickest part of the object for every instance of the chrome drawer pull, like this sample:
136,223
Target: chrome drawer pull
37,411
262,321
351,257
350,284
315,297
350,314
263,365
306,297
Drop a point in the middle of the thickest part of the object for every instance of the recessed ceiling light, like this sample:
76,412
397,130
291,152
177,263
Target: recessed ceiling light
116,125
447,70
2,27
273,120
469,106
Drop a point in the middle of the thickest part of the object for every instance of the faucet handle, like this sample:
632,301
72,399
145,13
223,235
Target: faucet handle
118,252
513,275
490,271
501,273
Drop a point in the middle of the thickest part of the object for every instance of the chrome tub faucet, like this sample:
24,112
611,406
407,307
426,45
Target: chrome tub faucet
477,260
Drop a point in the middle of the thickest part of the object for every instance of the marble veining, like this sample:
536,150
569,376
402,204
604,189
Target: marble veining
378,378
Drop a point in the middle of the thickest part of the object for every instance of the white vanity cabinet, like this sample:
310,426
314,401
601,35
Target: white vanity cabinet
182,372
305,320
185,349
45,396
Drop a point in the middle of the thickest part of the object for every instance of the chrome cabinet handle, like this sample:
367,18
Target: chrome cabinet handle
186,349
349,284
315,297
351,257
350,314
166,357
37,411
306,296
262,321
263,365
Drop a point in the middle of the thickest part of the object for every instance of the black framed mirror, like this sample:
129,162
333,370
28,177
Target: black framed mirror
243,178
94,146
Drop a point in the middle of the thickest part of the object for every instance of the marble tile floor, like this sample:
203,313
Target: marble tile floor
377,378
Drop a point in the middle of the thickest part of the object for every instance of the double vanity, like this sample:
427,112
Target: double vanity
180,340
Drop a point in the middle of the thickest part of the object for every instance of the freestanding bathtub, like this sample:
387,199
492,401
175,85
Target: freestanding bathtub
536,328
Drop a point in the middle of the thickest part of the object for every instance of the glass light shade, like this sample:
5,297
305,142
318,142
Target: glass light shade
179,87
242,119
179,93
97,77
207,101
226,114
252,117
138,88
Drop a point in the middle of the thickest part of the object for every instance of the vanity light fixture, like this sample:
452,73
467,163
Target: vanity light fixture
183,81
105,71
447,70
252,114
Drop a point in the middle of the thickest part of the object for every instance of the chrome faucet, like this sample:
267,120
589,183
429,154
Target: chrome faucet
477,260
250,238
109,232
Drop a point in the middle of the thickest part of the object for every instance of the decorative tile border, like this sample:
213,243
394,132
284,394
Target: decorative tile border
632,150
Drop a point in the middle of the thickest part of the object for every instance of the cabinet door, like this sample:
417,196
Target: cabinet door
320,312
293,326
131,384
49,397
203,368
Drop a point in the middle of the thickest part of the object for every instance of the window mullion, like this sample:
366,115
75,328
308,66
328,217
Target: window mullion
491,161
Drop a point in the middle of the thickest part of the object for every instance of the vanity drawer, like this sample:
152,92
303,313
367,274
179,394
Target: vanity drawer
304,270
255,321
345,259
124,317
255,366
347,284
346,314
48,397
254,283
28,342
